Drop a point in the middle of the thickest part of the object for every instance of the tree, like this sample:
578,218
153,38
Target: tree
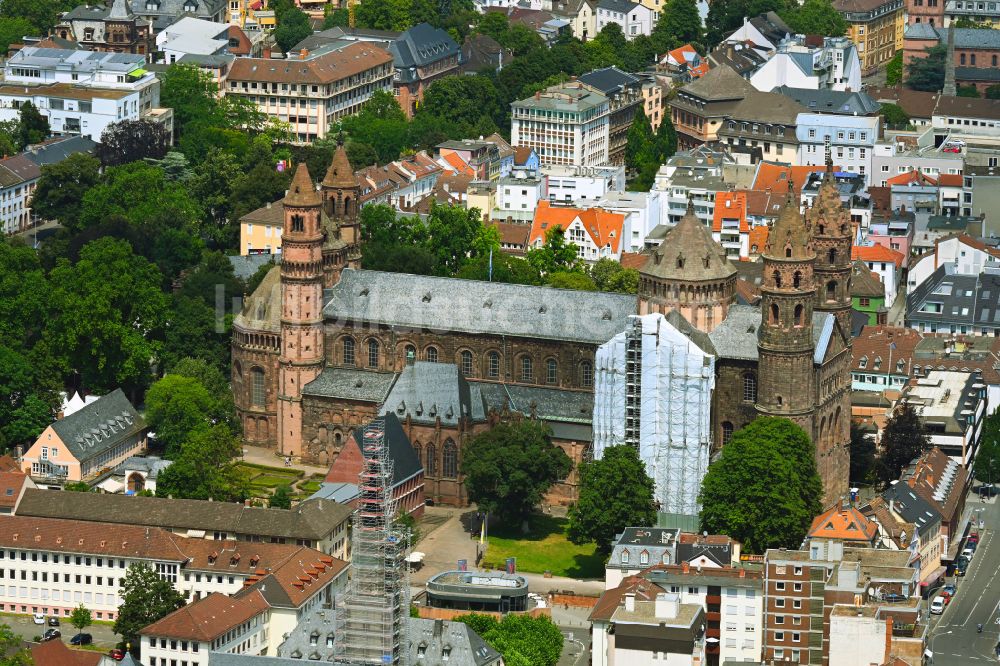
993,92
145,599
576,280
681,22
77,487
13,29
816,17
466,105
80,618
862,455
336,18
26,403
204,468
62,186
132,140
293,27
903,439
555,254
724,17
11,652
380,124
987,465
894,70
42,14
927,73
609,275
281,498
967,91
107,331
615,492
639,146
764,489
509,468
175,406
210,376
452,232
523,640
894,115
140,193
502,268
191,93
32,126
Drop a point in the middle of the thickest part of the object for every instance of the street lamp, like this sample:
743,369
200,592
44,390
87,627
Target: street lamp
930,653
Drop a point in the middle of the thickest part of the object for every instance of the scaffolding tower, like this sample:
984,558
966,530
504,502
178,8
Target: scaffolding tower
372,612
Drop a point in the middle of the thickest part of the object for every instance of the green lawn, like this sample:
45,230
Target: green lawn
308,486
544,548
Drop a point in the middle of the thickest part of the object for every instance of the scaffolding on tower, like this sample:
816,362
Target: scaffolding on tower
372,612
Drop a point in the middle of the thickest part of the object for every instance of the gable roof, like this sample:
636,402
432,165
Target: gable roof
831,101
10,488
427,391
208,618
913,177
729,205
604,227
842,522
878,253
719,83
916,103
611,600
405,462
18,169
911,507
99,426
773,177
56,653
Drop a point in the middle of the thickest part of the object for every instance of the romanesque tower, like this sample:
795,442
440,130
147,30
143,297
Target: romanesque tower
830,224
341,192
785,339
688,272
301,356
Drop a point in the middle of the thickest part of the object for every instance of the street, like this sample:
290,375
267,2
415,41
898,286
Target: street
954,640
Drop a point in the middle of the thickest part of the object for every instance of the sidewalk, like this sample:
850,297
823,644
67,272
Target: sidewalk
260,455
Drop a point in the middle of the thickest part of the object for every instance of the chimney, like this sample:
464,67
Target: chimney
267,53
685,567
666,606
630,602
743,573
303,54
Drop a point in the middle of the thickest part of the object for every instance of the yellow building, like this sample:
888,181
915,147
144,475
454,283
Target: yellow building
876,28
260,230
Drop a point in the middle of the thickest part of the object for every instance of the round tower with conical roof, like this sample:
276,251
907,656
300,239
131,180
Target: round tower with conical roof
689,273
785,342
301,356
830,224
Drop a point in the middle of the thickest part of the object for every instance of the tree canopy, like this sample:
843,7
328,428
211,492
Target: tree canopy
987,465
11,652
815,17
523,640
509,468
764,489
293,26
927,73
132,140
145,599
204,468
615,493
903,439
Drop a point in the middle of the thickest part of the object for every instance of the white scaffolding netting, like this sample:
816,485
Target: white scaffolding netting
653,390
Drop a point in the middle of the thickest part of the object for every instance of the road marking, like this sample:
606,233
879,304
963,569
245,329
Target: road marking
988,538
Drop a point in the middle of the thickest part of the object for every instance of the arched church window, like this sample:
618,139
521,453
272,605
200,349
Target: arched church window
587,374
493,365
788,251
257,387
466,363
431,466
831,290
348,351
527,369
774,313
298,223
373,353
797,279
798,314
750,387
432,354
777,279
449,461
727,432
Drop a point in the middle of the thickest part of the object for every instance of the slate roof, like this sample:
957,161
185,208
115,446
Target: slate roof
688,252
99,426
234,659
657,542
548,404
977,74
720,83
831,101
420,46
610,80
405,462
58,149
174,8
736,336
864,284
427,391
619,6
432,303
245,267
262,309
351,384
309,520
913,508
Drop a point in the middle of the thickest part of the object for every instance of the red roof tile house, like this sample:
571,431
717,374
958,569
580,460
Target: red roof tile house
684,64
55,653
595,231
884,261
730,227
844,524
12,487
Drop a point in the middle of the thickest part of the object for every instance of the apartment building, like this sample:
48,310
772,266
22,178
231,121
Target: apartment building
18,178
112,27
701,107
51,566
876,27
851,138
80,92
313,90
316,523
767,122
810,61
597,233
625,94
566,124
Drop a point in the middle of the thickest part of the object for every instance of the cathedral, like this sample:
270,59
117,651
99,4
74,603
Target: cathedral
322,346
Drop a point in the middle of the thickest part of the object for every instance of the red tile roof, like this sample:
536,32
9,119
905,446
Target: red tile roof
951,180
457,164
758,238
55,653
208,618
634,260
337,65
10,487
8,464
76,536
679,56
643,589
730,205
604,228
761,203
773,177
877,253
513,234
911,178
844,523
874,343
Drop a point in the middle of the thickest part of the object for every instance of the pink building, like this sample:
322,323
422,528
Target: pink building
895,233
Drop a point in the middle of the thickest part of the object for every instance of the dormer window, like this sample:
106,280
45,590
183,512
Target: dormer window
878,362
190,6
625,556
644,557
152,5
863,363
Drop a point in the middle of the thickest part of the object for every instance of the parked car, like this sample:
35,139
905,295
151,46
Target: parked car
973,538
947,597
968,553
81,639
950,589
117,654
38,618
53,621
50,634
937,606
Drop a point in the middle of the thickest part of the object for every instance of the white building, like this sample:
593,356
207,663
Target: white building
642,215
597,233
564,124
952,405
967,255
518,196
192,36
80,92
568,184
852,141
653,391
635,19
18,179
51,566
833,66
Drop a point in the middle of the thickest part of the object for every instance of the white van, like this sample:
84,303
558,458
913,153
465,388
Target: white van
937,606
